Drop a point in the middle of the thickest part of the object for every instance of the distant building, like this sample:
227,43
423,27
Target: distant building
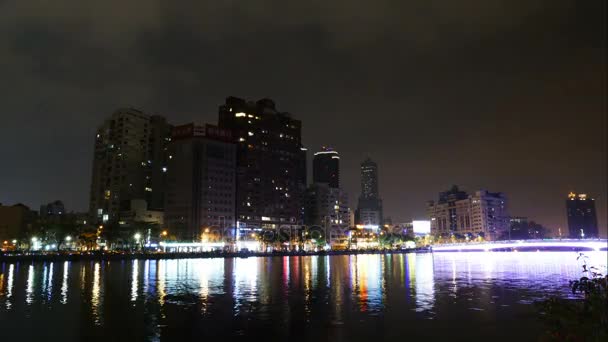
53,209
520,228
369,209
129,162
271,163
201,187
582,219
326,167
15,221
327,206
459,213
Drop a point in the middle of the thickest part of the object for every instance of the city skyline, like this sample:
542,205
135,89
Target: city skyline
533,127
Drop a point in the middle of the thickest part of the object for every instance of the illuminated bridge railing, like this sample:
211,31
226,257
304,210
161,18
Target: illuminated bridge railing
526,246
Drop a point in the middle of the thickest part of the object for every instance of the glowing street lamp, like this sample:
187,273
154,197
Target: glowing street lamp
14,242
68,238
164,233
137,237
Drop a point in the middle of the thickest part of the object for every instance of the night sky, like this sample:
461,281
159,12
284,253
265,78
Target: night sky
502,95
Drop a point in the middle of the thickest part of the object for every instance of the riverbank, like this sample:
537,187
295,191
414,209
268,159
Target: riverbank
52,257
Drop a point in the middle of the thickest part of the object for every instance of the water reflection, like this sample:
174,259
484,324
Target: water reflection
134,279
64,283
96,300
29,290
336,295
424,281
9,286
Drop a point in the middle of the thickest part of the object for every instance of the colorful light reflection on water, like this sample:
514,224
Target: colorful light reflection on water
337,297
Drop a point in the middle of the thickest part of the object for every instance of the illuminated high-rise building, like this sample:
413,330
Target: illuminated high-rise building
326,167
271,163
369,209
582,219
129,163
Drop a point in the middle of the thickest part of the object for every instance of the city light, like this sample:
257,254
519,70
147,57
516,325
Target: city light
68,238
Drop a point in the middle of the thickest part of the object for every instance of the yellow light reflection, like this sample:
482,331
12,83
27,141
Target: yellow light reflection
95,294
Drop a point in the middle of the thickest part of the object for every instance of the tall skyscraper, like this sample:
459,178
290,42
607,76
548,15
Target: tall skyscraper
271,163
369,209
201,185
326,167
129,163
582,219
483,214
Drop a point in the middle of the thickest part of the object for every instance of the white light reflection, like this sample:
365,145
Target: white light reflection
29,290
210,272
424,282
134,280
49,283
9,285
245,282
64,283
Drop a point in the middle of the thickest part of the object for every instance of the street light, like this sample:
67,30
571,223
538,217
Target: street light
68,238
137,236
164,233
34,239
14,242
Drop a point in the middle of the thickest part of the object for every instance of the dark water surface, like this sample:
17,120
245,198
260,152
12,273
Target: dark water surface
439,296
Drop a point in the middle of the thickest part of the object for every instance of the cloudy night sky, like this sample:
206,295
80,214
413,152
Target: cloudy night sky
500,95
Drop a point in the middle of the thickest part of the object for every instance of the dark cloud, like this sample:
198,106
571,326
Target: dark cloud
504,95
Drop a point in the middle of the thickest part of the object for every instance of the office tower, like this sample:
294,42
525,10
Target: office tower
582,219
326,167
201,185
461,214
369,209
129,163
271,163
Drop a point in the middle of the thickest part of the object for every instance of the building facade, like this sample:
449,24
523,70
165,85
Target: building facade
201,186
271,163
582,218
461,214
130,162
327,206
369,209
326,167
15,221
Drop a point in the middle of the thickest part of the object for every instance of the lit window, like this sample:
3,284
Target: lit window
250,133
148,189
241,139
240,115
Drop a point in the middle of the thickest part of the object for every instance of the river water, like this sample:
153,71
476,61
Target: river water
437,296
